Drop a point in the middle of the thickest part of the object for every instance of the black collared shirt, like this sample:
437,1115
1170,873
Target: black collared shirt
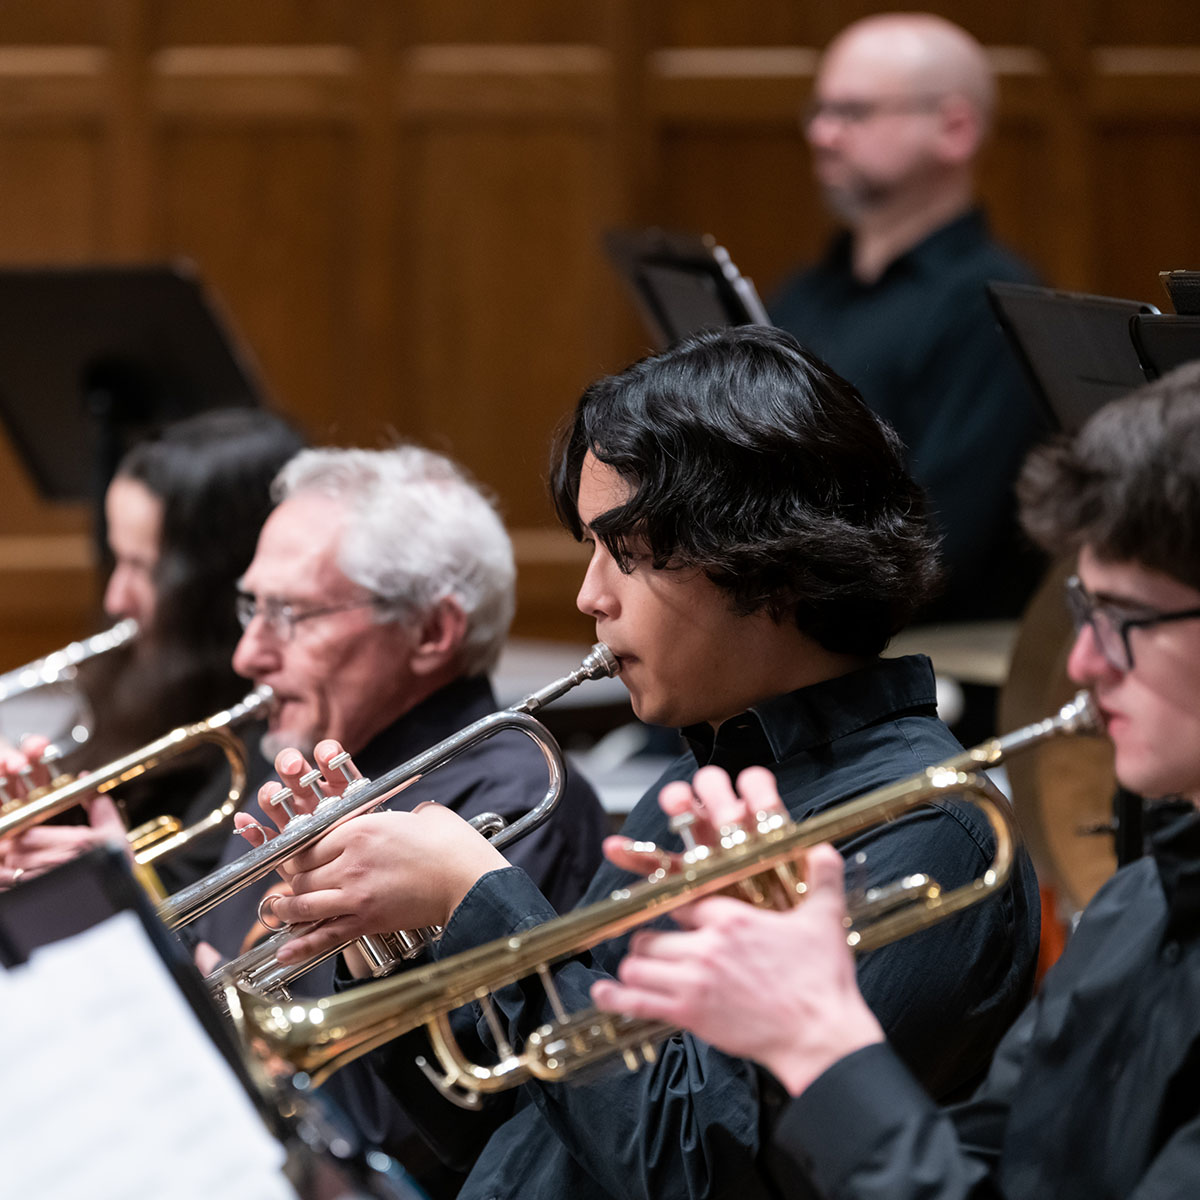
921,345
1095,1092
690,1124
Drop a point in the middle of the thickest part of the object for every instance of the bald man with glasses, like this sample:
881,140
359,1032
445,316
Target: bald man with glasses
900,110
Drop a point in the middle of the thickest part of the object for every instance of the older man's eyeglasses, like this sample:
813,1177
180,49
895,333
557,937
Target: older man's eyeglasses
1112,622
281,617
859,112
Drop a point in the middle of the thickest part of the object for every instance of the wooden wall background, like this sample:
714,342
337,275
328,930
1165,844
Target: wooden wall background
400,201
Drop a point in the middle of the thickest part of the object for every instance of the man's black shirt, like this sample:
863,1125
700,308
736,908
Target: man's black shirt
922,346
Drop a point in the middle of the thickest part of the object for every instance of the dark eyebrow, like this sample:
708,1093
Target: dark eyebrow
1128,602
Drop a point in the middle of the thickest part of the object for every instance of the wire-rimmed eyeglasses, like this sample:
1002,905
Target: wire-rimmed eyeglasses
1111,622
859,112
282,617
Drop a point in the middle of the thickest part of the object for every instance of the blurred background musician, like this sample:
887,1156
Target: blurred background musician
1093,1092
747,580
900,110
183,513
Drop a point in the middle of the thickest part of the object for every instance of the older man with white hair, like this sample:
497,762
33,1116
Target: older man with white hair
900,110
378,600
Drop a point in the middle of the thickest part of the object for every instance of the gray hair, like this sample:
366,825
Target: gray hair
418,530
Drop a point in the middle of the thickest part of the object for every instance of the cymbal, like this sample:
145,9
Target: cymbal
1062,787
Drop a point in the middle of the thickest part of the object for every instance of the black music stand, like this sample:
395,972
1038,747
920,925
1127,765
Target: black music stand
1184,289
1075,348
681,283
326,1159
94,358
1164,341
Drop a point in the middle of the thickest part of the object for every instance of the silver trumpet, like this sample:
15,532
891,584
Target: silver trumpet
259,970
364,795
43,697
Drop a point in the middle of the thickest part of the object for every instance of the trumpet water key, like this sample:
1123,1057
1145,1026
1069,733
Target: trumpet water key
763,862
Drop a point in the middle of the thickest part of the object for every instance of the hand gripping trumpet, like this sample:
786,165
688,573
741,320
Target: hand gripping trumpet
164,835
363,795
762,863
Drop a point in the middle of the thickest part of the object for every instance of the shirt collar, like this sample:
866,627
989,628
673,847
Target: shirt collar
819,714
931,255
438,716
1176,851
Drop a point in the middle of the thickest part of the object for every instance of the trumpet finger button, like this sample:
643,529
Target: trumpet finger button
344,763
283,799
313,779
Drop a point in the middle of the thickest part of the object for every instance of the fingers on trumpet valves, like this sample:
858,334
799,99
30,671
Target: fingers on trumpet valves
344,764
314,781
682,824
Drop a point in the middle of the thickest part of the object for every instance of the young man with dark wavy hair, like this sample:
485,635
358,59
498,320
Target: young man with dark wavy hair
756,540
1094,1092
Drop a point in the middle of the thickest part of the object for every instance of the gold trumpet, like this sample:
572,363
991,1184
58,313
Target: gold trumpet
761,862
164,835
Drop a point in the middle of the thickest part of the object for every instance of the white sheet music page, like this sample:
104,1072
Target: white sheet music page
112,1088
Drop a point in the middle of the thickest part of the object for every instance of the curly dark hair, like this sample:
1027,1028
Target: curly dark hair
752,460
1128,484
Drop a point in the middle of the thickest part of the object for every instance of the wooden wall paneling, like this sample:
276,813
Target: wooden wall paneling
1067,186
506,279
54,22
1143,228
1149,22
382,234
1017,161
535,22
262,22
1144,109
400,203
128,197
263,210
51,175
630,177
710,23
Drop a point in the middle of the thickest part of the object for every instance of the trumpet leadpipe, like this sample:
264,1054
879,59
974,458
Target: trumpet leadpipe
361,795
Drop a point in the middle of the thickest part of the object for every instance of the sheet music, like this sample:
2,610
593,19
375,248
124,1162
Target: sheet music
112,1089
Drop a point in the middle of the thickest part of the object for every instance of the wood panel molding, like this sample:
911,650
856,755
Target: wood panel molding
488,83
1146,83
39,83
222,83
